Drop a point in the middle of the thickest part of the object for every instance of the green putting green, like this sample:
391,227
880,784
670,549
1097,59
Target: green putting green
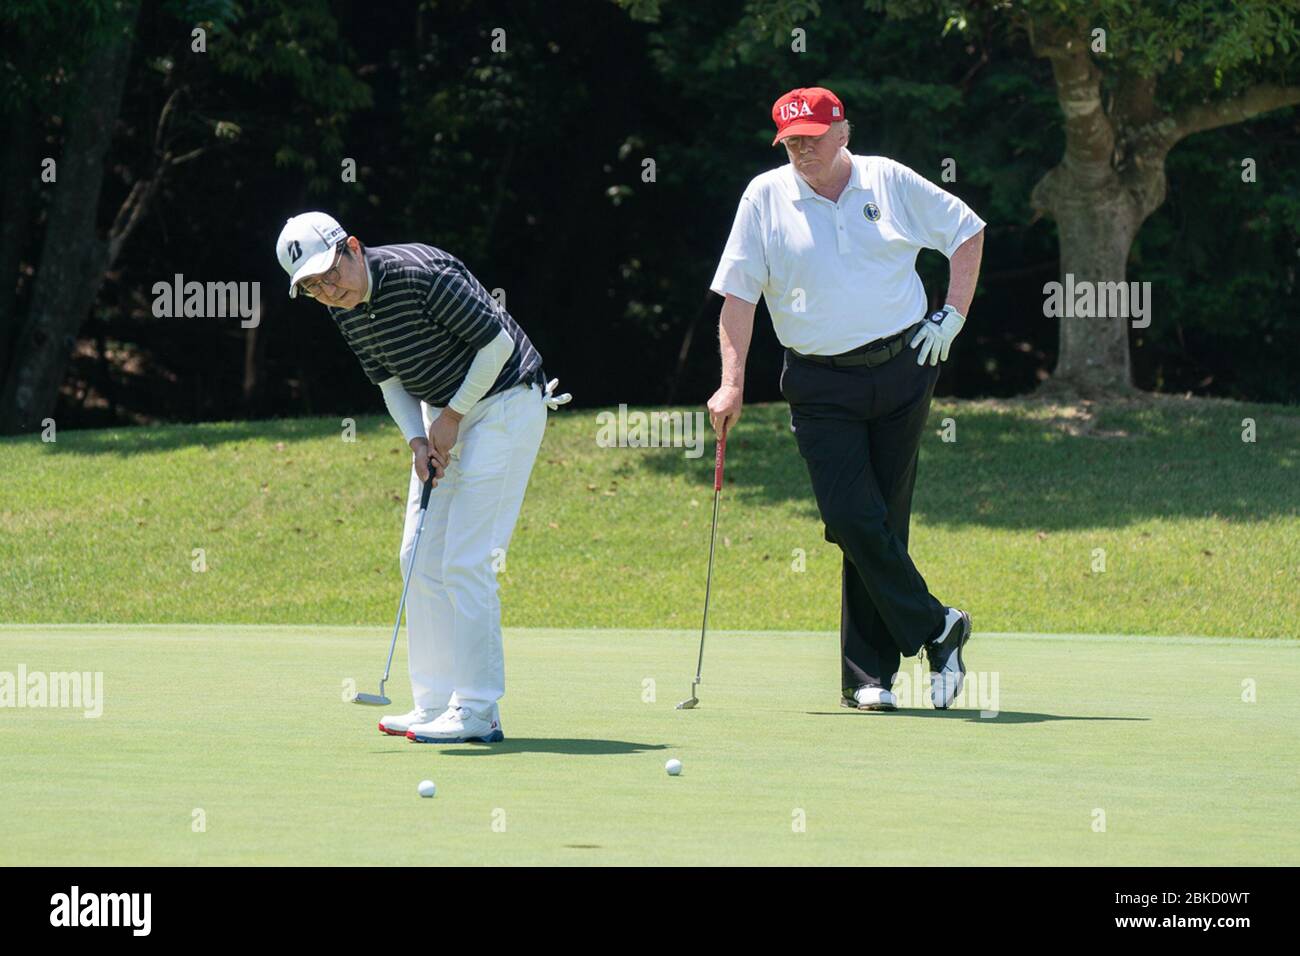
233,745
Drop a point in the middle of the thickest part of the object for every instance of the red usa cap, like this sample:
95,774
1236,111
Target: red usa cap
806,112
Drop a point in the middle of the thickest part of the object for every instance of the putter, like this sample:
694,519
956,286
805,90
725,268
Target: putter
720,456
379,700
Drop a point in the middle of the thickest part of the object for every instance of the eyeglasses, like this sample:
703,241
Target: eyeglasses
795,143
331,278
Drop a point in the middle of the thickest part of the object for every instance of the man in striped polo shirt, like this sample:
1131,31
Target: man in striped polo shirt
465,385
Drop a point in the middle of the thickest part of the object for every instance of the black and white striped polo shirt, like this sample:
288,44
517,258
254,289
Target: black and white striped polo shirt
426,319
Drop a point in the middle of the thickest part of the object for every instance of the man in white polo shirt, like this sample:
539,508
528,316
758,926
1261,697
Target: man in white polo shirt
830,242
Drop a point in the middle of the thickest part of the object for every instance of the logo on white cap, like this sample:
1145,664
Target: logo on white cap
306,246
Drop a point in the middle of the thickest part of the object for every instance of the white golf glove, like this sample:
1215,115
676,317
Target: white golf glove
937,334
552,400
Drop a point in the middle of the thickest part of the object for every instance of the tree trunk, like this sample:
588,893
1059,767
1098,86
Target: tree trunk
252,370
73,259
1096,229
1110,179
16,214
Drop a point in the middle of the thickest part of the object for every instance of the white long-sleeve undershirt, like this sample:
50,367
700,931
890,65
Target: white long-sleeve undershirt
404,407
483,372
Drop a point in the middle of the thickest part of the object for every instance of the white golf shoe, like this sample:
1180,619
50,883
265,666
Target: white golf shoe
397,726
870,698
947,669
458,725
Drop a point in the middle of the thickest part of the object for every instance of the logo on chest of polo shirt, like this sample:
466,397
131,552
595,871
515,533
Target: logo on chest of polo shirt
872,212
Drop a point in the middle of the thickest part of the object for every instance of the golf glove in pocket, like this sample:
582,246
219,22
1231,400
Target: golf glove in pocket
552,400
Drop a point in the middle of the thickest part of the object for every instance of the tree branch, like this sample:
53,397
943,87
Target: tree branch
1135,100
163,116
1252,102
186,157
138,201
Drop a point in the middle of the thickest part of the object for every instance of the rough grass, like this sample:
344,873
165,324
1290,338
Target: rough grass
1198,532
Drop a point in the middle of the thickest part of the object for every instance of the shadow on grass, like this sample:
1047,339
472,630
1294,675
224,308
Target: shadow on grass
571,746
1025,466
971,716
143,439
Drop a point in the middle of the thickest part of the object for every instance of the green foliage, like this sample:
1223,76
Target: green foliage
294,57
1191,41
1220,255
1196,43
529,164
41,55
897,93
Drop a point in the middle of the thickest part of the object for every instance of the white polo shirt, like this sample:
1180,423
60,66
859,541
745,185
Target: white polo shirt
837,275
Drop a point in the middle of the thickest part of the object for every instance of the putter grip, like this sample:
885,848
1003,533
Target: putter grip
719,457
428,487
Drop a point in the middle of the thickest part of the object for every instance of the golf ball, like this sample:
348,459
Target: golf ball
427,788
674,767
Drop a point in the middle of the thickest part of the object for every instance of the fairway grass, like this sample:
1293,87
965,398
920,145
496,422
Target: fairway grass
246,728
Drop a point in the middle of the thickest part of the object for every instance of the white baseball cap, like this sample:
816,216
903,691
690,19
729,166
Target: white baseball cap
306,246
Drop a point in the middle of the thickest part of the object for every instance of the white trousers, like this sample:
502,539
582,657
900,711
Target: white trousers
453,614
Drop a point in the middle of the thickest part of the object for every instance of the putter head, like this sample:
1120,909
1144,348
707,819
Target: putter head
693,702
374,700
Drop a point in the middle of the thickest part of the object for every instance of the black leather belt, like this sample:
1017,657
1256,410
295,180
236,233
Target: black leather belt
874,353
536,377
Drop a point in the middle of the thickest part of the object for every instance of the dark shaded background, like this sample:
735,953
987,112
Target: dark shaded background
527,165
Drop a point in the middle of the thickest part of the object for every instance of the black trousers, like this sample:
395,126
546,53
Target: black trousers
859,431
